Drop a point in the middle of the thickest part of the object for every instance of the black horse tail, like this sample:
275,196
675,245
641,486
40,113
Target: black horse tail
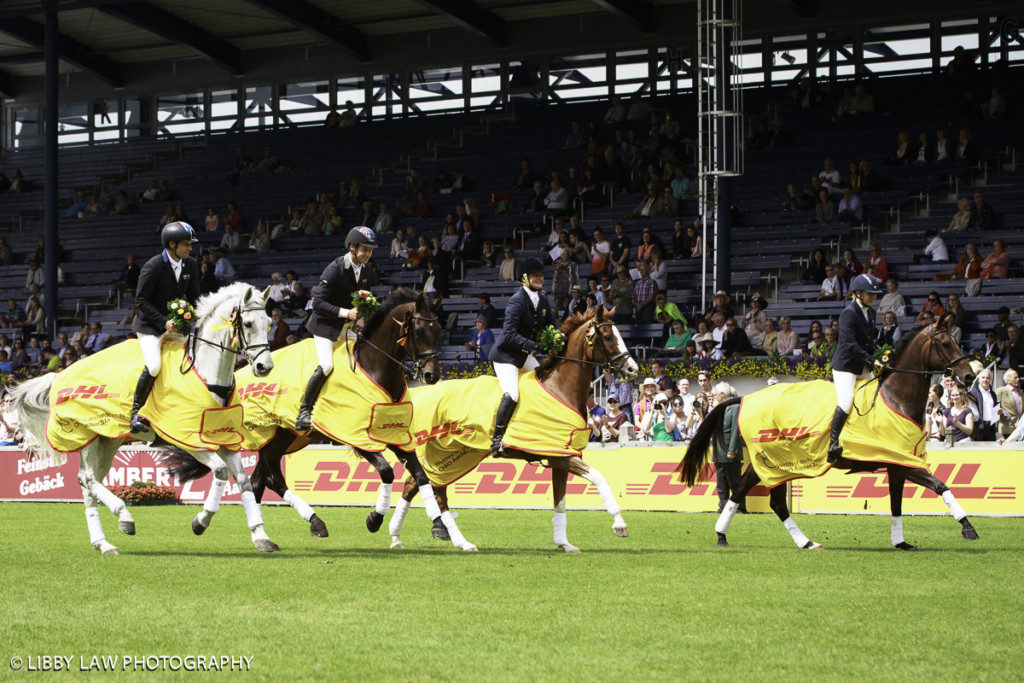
184,466
697,453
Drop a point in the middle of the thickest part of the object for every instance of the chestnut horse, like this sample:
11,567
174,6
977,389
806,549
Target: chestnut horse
592,340
921,353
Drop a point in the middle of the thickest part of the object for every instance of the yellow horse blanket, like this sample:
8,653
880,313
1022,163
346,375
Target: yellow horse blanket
453,423
352,408
786,430
94,398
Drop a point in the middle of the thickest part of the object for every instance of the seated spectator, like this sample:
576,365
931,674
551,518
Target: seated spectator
904,152
14,315
6,255
850,207
851,263
35,277
128,280
862,103
613,421
277,335
792,200
788,339
19,183
826,348
507,271
853,178
460,183
233,217
679,337
277,288
943,148
422,209
77,210
231,242
869,180
269,163
962,218
368,218
707,347
449,240
829,286
482,340
890,331
876,264
720,305
622,297
892,300
150,195
816,269
418,256
404,207
995,108
575,137
755,319
768,341
735,341
845,104
697,240
487,256
207,280
935,248
647,208
169,216
260,240
981,213
525,177
966,150
385,220
333,223
35,321
97,339
470,246
222,268
829,176
924,153
243,162
996,265
681,186
934,416
667,204
295,297
825,210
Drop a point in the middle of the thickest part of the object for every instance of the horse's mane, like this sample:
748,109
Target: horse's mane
394,299
907,339
570,325
212,301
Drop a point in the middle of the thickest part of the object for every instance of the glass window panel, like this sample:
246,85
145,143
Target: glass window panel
106,114
259,107
304,96
969,41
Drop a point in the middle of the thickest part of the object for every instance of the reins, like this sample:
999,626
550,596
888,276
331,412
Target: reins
420,358
609,363
192,340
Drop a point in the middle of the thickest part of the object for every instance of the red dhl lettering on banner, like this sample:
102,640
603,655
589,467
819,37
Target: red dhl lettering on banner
787,434
260,389
958,477
82,391
440,431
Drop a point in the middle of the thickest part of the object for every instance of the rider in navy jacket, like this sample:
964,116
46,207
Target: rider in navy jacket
527,315
854,352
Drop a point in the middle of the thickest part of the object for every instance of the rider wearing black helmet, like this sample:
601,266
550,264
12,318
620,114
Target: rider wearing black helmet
527,315
332,298
171,274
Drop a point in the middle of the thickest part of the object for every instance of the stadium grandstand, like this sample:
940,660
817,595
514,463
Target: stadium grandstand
281,119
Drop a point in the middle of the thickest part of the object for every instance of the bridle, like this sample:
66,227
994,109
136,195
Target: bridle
420,358
614,363
237,343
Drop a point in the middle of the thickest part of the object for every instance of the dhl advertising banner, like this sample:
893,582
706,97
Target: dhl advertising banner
643,478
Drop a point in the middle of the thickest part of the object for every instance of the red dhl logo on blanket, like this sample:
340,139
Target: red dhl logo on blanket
440,431
788,434
258,389
82,391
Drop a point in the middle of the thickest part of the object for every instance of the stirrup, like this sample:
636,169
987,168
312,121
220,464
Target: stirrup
304,421
834,453
140,425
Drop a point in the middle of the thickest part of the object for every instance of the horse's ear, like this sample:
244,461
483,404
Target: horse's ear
421,302
266,294
611,313
248,296
436,305
945,321
600,314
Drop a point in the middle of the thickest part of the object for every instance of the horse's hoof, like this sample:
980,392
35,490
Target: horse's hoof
811,545
969,533
903,545
621,531
197,528
470,548
111,551
440,531
317,527
569,548
396,543
722,543
127,528
373,521
265,545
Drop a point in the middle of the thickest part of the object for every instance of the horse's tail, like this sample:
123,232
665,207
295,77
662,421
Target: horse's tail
31,401
184,465
697,453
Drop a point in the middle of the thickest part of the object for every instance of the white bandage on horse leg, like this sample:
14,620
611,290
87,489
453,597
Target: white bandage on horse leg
604,490
383,499
253,514
559,522
92,520
794,531
106,497
954,507
398,518
458,540
725,519
212,502
896,533
301,506
430,502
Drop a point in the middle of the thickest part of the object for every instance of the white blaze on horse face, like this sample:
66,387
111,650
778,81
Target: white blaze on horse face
628,369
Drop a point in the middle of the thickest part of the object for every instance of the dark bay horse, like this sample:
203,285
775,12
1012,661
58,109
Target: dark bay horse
404,326
921,353
591,341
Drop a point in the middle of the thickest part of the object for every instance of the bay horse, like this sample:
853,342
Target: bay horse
231,320
922,352
403,326
592,341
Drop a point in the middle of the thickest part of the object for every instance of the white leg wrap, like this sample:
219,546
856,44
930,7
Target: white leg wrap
106,497
212,502
605,491
401,509
458,540
92,520
430,502
896,533
253,514
794,531
725,519
559,522
954,507
301,506
383,499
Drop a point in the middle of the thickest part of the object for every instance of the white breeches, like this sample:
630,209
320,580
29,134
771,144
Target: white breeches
324,353
150,344
508,375
845,382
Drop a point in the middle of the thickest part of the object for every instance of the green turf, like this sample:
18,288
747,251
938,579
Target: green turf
663,603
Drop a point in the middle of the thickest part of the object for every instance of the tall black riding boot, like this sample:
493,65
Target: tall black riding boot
143,387
305,419
835,451
501,420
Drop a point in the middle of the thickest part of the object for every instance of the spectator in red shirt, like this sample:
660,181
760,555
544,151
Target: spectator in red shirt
997,263
233,217
877,265
933,305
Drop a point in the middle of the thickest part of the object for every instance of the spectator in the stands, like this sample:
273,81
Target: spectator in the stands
966,150
507,270
768,340
35,276
639,110
169,216
460,183
904,152
981,213
449,241
876,264
487,310
962,218
600,253
962,62
34,317
754,320
231,242
385,220
943,148
735,341
276,288
620,294
788,339
6,255
956,308
434,282
933,304
850,208
150,195
97,338
995,108
845,104
470,245
1013,347
565,276
851,263
259,240
294,295
924,153
996,265
667,204
681,245
890,331
368,218
232,217
647,208
243,162
19,183
95,207
829,286
862,103
418,256
525,177
413,182
207,280
825,209
277,335
422,209
621,246
659,271
577,302
869,180
892,300
616,113
77,210
1003,323
482,339
128,280
791,200
645,250
680,184
557,200
721,304
969,265
992,345
830,177
222,268
488,257
935,248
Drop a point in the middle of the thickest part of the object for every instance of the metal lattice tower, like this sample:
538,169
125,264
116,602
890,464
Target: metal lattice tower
719,125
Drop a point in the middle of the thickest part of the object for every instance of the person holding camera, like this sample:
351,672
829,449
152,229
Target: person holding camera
935,414
654,423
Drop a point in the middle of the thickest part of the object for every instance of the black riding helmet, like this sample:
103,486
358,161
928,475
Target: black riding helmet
361,235
178,231
528,265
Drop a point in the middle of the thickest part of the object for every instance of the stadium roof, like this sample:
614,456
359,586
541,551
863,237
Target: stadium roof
147,45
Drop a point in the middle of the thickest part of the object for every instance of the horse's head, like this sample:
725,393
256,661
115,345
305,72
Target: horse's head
422,331
941,353
239,323
605,346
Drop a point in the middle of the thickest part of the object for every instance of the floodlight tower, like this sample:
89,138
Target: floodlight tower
720,132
